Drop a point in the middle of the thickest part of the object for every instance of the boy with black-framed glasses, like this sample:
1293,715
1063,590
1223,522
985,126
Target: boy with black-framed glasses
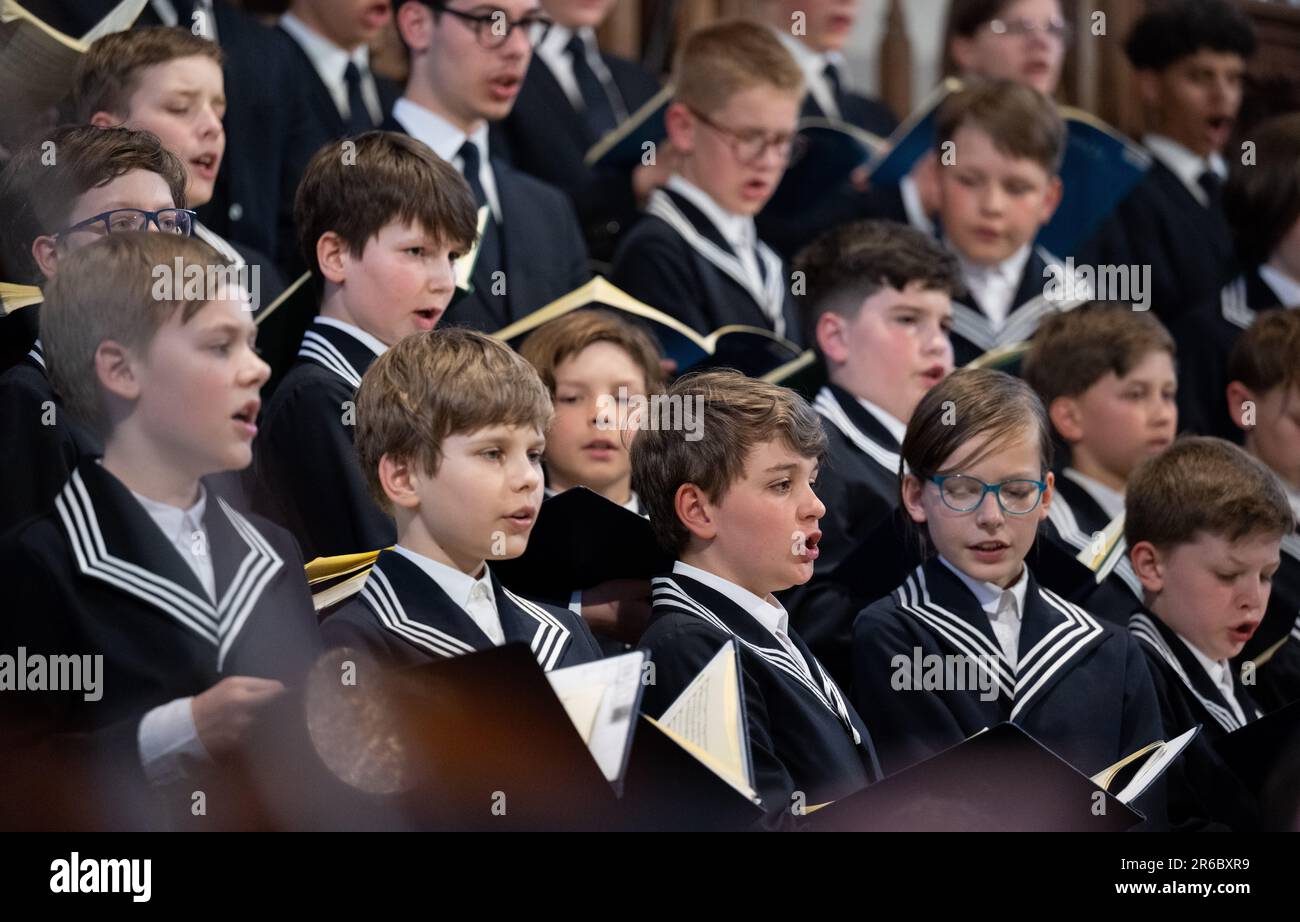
80,176
467,63
732,123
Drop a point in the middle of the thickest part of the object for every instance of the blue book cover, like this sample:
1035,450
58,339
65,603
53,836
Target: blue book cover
625,145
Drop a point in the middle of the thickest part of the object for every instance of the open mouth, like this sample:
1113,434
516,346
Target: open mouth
810,550
1244,631
522,518
206,163
428,317
990,551
246,416
933,375
506,85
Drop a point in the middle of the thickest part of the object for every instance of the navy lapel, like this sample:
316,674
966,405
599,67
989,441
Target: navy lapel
934,596
36,357
115,541
524,621
839,408
687,596
413,607
546,94
337,351
1077,517
1055,636
322,102
1169,647
810,108
1244,297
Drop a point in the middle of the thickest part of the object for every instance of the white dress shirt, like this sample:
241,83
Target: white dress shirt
769,614
331,62
553,49
1286,288
473,595
994,287
1184,164
1005,608
167,737
445,140
1110,501
1220,674
738,230
912,206
813,64
893,425
371,342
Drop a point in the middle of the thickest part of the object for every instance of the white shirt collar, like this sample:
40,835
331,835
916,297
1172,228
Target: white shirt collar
813,64
554,41
1185,164
1220,674
989,595
456,584
328,58
179,525
373,343
737,230
769,614
1008,271
442,137
1111,501
893,425
1286,288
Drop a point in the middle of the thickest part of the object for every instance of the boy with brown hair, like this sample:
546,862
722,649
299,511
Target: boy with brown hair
1107,377
1263,395
1204,525
101,181
1000,146
450,432
732,124
381,229
200,614
736,507
877,306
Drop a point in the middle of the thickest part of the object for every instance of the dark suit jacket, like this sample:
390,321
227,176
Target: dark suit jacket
403,618
695,278
545,137
803,733
1161,224
1086,695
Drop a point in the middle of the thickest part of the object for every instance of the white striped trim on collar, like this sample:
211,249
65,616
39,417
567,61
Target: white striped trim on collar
37,354
379,594
770,298
1067,526
974,326
669,594
1067,640
320,350
826,404
218,624
1234,305
1144,629
552,634
914,599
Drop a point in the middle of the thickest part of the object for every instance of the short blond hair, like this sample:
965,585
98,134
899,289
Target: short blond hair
107,291
437,384
552,343
740,413
727,58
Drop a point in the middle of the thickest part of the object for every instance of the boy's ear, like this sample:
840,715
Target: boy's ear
45,253
1067,419
911,491
332,251
400,482
831,338
415,25
106,120
1055,189
680,122
1239,395
692,508
963,53
1045,503
115,370
1148,565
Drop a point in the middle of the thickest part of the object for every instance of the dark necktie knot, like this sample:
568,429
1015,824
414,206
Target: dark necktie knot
1212,183
598,110
358,119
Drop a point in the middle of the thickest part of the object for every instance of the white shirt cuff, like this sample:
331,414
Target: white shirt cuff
168,740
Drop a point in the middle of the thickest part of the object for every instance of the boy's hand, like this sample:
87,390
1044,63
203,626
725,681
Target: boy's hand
619,608
224,713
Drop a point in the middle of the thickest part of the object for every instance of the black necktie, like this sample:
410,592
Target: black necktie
358,119
1213,186
489,248
832,74
598,112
